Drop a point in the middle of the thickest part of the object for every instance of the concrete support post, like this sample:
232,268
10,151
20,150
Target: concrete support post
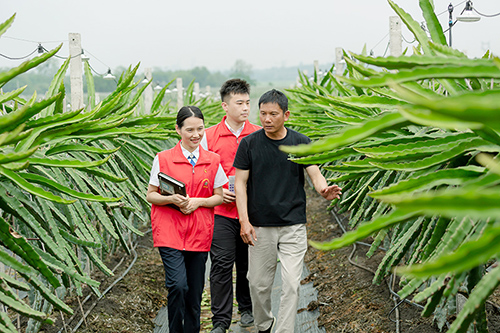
76,71
339,61
148,92
208,91
196,91
180,93
395,37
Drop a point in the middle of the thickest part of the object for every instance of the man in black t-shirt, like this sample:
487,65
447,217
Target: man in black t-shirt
271,206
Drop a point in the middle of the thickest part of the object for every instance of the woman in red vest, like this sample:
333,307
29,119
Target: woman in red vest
183,236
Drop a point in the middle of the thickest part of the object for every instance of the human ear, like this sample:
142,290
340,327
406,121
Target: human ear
287,114
224,106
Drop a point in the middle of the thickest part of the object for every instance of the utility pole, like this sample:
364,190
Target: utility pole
196,91
395,37
339,61
180,93
148,93
76,71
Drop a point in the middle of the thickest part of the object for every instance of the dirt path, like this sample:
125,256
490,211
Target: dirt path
347,301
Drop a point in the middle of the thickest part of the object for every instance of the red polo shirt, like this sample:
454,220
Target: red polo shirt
222,141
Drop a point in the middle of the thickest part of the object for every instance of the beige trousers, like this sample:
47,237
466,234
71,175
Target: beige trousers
289,245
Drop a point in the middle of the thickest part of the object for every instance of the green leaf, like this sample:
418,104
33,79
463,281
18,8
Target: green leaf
67,163
435,28
466,257
451,203
27,65
350,135
435,159
447,176
366,230
90,84
66,190
21,307
4,97
22,183
14,157
55,85
429,72
64,148
5,25
413,26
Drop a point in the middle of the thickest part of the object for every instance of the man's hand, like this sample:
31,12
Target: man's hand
228,196
331,192
247,233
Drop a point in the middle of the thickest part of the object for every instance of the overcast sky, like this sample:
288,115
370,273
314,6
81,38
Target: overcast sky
265,33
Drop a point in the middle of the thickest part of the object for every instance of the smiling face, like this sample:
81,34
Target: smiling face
237,108
191,132
272,119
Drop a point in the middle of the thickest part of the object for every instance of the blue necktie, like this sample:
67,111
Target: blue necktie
192,159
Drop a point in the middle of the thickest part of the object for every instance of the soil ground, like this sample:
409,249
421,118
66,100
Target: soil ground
347,299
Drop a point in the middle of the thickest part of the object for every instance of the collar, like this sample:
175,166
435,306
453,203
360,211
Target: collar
181,154
245,129
186,152
236,133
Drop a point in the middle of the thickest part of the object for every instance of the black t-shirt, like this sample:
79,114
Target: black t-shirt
275,185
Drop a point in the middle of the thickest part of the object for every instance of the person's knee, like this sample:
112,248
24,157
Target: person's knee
178,288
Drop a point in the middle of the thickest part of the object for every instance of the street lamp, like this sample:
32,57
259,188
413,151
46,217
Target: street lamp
467,15
109,76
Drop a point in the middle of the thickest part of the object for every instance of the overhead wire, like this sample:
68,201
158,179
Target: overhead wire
485,15
19,58
40,48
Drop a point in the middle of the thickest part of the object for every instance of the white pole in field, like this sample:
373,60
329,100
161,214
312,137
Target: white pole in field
196,91
180,93
339,61
148,92
76,71
395,37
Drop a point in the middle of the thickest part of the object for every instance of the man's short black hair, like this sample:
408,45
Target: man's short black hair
274,97
233,87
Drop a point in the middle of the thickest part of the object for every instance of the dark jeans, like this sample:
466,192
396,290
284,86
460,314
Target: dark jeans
228,249
184,279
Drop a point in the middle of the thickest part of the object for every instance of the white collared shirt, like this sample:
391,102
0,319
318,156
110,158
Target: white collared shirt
220,177
236,133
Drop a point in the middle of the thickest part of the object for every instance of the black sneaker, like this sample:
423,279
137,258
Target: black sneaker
218,329
246,319
270,329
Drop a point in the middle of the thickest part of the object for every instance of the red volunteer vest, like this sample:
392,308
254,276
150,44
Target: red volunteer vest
220,140
173,229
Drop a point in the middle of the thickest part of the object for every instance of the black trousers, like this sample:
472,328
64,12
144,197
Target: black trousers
184,279
227,250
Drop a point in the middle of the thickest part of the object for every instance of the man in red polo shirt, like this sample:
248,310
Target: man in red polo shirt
228,247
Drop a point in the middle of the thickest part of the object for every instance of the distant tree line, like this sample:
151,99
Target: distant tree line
39,78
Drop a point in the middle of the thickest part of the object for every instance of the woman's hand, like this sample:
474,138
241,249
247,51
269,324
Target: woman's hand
191,205
179,200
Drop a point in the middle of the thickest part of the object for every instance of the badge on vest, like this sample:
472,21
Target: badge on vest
205,183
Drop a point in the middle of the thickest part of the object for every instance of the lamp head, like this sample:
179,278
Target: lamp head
84,57
109,76
468,14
